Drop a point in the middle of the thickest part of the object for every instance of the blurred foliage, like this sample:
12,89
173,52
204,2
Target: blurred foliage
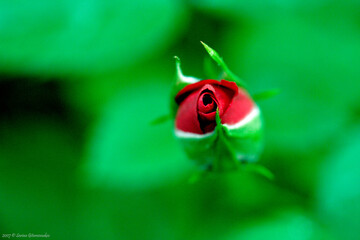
290,224
339,191
134,163
83,38
80,84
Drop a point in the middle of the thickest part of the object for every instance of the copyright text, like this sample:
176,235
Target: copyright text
25,235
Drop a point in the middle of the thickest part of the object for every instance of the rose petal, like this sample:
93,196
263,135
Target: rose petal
209,127
240,106
207,102
206,89
187,118
207,116
223,96
196,117
186,91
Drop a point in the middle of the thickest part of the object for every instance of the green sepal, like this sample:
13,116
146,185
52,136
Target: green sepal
248,139
181,81
160,120
222,144
228,74
265,94
225,158
202,150
180,77
226,149
258,169
252,168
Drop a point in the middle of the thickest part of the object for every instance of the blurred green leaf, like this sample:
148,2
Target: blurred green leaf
125,152
263,10
165,212
284,225
249,193
38,160
66,37
339,187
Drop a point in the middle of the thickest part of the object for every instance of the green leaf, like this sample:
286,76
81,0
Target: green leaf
229,75
266,94
38,167
262,11
287,224
339,187
64,37
124,152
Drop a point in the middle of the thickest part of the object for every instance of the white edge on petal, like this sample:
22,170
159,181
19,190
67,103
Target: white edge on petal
248,118
182,134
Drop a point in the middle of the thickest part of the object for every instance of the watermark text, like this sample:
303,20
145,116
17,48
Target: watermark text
25,235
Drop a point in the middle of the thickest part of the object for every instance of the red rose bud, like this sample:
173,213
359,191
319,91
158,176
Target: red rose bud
217,122
235,137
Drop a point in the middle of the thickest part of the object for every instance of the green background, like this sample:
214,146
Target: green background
80,83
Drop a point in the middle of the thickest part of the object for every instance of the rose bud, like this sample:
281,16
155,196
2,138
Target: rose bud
217,122
224,143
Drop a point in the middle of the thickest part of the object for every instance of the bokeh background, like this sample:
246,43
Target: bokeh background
80,82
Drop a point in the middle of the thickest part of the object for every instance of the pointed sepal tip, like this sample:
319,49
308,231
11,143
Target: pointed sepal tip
228,74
